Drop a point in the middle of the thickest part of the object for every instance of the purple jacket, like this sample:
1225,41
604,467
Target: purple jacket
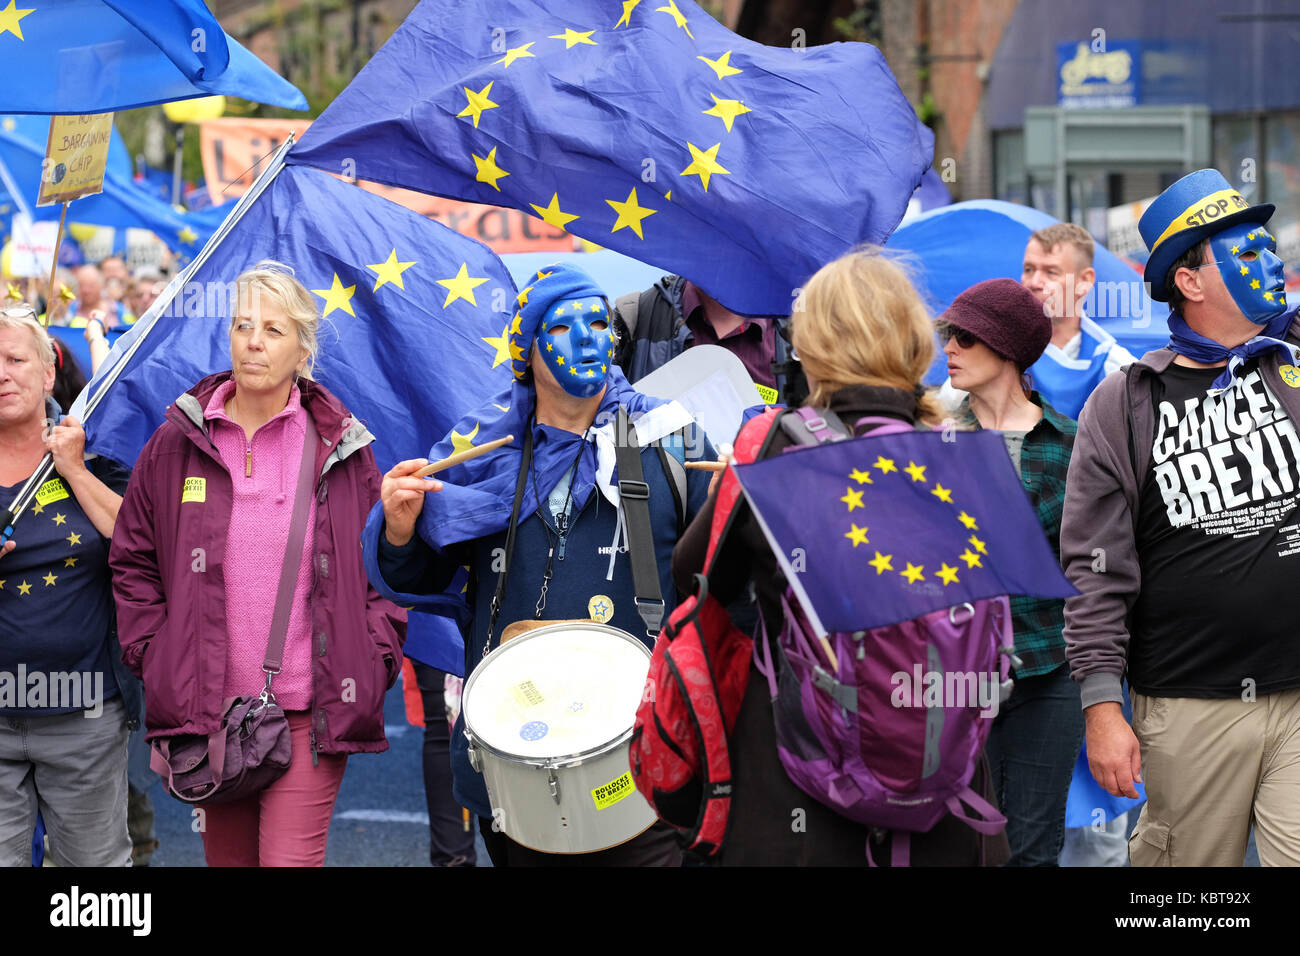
168,579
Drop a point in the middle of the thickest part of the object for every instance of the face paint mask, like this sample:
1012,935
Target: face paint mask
1251,270
577,345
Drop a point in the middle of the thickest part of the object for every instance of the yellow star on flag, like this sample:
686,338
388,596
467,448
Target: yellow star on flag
2,584
916,471
487,169
476,103
9,18
968,521
24,588
187,235
886,465
337,297
704,163
942,493
515,53
553,215
50,578
461,442
69,562
853,499
972,560
881,562
913,572
501,345
726,110
73,539
626,19
722,65
856,535
389,271
461,286
37,508
861,477
677,15
630,213
978,544
59,519
14,293
572,37
947,574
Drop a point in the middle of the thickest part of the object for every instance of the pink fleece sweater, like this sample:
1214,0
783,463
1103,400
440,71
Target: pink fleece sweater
259,530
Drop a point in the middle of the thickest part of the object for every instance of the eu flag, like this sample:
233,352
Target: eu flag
892,527
93,56
413,317
646,127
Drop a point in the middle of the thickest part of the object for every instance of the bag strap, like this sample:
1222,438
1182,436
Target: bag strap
525,465
292,556
634,496
814,426
675,472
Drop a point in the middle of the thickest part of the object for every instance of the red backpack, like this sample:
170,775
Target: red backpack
698,673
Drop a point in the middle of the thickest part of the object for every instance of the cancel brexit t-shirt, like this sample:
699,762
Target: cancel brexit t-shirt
1218,541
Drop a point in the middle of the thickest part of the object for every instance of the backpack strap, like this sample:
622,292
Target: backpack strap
672,457
814,426
634,498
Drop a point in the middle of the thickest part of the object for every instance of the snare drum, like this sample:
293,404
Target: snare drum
548,717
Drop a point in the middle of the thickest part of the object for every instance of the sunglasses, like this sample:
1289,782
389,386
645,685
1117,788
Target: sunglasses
962,337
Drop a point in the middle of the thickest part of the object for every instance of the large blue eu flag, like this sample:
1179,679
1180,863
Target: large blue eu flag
645,126
888,528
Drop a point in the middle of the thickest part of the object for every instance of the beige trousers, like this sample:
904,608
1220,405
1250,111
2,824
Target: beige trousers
1212,769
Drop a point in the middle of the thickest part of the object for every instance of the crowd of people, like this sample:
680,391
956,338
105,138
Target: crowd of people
1167,487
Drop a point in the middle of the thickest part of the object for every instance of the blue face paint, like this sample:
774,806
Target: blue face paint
577,345
1251,270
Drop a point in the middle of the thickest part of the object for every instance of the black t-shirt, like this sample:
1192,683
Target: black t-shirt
1219,542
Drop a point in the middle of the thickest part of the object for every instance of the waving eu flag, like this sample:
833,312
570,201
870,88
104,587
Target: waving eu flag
413,322
647,127
93,56
905,524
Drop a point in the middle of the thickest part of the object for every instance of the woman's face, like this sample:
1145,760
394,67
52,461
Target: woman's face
264,349
972,365
24,380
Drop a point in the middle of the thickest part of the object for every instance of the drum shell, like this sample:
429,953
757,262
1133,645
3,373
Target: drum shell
547,803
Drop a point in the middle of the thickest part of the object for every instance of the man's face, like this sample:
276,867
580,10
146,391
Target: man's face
114,268
1246,256
89,286
1056,278
577,346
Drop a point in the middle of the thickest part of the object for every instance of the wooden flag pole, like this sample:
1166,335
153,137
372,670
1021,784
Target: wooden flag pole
53,295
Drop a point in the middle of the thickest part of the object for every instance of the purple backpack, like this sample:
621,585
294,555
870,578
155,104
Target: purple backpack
879,749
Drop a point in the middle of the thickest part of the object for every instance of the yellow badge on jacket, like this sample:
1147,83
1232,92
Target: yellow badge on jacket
1290,375
601,608
196,489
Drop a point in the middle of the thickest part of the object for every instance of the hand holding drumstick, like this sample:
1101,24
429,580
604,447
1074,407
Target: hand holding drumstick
406,484
717,467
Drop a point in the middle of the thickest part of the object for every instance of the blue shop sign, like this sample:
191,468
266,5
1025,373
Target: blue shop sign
1089,78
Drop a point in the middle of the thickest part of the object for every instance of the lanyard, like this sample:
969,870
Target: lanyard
557,537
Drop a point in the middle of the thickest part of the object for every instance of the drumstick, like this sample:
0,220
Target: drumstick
463,456
707,465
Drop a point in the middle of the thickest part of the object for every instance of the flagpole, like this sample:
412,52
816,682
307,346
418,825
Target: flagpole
83,407
51,297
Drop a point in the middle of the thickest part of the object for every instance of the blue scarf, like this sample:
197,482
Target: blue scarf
1185,341
477,496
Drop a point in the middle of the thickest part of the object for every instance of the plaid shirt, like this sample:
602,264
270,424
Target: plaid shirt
1044,460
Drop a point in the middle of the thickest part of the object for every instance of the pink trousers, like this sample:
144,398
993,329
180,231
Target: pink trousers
288,823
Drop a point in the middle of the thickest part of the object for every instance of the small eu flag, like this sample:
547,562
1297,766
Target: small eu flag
888,528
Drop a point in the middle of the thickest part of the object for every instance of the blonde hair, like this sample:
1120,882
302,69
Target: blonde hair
1068,234
276,282
24,317
859,321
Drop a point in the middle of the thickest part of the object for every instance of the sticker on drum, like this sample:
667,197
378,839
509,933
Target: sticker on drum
533,730
583,682
614,791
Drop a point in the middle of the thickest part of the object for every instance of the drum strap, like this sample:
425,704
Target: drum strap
634,496
525,466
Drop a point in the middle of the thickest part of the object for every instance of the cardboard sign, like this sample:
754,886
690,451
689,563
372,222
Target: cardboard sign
232,149
75,156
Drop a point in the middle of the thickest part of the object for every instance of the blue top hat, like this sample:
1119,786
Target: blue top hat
1194,208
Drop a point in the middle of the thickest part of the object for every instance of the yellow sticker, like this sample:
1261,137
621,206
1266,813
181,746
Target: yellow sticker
527,694
614,791
768,394
196,489
1290,375
52,490
601,608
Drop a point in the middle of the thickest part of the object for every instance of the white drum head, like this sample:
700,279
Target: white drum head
557,691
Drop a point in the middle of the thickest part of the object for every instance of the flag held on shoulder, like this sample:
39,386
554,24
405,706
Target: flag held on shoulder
904,525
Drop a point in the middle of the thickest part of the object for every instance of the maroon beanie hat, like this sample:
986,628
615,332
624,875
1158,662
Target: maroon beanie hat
1005,316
